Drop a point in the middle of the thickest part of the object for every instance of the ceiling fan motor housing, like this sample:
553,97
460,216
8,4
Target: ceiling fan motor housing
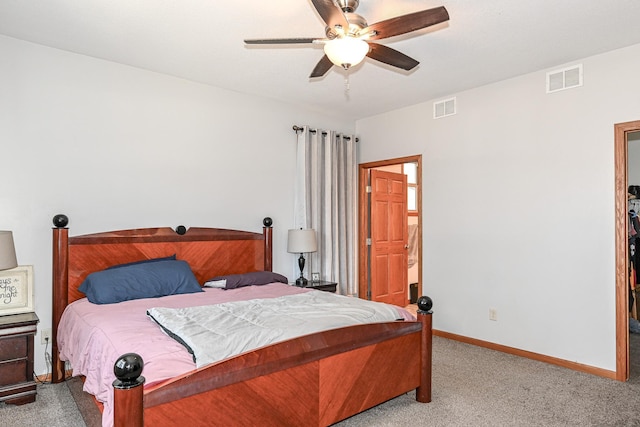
356,23
348,5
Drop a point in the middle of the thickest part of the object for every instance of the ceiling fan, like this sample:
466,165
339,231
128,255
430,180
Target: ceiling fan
349,37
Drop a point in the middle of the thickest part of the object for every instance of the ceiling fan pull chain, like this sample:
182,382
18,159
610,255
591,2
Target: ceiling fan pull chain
346,84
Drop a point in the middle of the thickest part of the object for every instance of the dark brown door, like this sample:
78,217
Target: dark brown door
389,237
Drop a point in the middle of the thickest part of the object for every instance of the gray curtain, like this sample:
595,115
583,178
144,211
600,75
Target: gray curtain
326,200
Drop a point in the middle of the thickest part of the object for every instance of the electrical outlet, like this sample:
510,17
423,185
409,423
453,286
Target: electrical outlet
45,335
493,314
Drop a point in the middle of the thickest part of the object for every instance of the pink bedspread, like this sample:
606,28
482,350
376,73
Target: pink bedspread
92,337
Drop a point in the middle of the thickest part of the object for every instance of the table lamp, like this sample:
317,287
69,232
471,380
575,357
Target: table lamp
7,251
302,241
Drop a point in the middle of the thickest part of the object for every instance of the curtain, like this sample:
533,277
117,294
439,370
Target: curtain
326,201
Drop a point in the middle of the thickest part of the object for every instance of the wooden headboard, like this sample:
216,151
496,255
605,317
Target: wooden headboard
209,251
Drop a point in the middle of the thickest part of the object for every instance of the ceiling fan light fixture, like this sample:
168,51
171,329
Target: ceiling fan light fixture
347,51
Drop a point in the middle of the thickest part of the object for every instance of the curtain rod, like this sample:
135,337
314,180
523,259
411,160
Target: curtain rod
297,129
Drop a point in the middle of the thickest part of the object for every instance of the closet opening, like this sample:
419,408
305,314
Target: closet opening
627,299
633,232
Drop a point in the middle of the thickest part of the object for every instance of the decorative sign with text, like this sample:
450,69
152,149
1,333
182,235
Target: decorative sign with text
16,290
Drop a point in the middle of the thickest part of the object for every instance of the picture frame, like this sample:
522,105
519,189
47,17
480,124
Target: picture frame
315,277
16,290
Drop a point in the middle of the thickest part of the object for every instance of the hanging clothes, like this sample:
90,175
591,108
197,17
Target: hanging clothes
633,252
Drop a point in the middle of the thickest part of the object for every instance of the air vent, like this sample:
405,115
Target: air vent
565,78
444,108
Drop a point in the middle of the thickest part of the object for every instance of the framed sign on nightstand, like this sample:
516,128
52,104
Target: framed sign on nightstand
315,277
16,290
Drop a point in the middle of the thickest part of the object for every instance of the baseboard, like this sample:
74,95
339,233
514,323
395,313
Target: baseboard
529,355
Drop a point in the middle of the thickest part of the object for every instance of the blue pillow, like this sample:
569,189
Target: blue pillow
146,280
255,278
144,261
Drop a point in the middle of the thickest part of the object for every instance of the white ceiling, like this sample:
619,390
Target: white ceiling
202,40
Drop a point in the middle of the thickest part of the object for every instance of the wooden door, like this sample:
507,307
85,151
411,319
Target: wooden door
389,237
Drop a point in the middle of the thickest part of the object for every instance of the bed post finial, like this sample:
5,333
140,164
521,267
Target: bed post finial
424,304
267,222
127,391
60,221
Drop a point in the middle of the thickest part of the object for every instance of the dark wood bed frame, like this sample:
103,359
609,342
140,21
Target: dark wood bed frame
317,379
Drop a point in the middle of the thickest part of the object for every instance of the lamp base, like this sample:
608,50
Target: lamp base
301,282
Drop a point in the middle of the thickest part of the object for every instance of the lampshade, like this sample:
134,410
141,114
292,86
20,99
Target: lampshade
7,251
302,241
347,51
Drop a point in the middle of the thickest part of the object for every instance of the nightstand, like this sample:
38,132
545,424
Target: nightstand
17,385
322,285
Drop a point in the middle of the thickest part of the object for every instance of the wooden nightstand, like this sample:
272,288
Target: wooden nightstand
322,285
17,385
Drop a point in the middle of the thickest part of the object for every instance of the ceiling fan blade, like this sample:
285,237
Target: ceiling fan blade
406,23
280,41
391,56
322,67
331,14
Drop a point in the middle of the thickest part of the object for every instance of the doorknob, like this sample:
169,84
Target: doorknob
406,246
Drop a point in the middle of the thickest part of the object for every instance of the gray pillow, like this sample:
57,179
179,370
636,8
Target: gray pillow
255,278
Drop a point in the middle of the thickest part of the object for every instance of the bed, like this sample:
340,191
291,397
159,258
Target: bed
316,379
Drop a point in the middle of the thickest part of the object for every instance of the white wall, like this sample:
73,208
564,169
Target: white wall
518,199
115,147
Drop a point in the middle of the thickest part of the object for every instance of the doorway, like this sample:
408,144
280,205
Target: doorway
622,133
412,167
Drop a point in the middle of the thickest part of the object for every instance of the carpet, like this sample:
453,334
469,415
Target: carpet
475,386
54,407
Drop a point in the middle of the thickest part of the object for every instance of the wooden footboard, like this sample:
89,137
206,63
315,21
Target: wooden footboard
315,380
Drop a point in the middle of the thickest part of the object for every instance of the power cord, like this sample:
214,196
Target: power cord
48,363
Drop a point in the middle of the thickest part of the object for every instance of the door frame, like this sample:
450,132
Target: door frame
621,260
363,218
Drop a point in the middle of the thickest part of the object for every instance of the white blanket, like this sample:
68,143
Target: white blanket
215,332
